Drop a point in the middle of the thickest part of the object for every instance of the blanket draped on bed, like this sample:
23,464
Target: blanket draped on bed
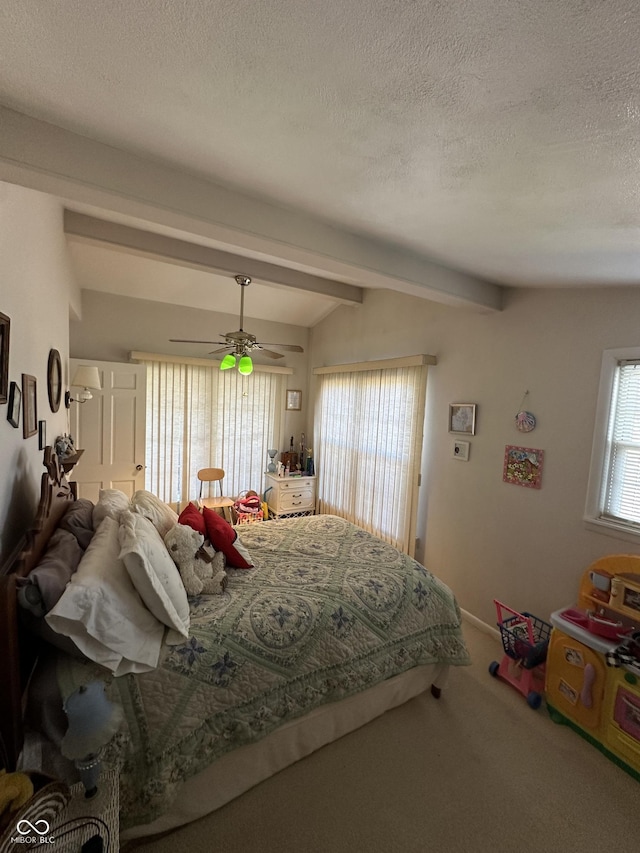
328,611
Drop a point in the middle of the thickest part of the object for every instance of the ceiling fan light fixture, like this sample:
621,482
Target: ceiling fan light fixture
240,343
228,361
245,365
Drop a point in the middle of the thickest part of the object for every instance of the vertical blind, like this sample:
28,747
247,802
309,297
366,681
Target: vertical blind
621,483
368,436
201,417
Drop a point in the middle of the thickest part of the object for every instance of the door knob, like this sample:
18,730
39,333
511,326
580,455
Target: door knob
139,467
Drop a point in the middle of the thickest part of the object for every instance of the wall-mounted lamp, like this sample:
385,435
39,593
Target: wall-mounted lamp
85,377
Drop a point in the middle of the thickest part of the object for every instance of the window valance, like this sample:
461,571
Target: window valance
200,362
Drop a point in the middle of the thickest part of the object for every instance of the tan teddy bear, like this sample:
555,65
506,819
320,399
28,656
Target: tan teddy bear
201,568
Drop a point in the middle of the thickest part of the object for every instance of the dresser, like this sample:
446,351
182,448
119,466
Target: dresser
290,496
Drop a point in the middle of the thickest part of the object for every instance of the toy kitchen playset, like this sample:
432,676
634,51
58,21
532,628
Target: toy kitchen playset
592,680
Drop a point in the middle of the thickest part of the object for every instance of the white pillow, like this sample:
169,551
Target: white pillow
103,614
159,513
111,502
154,574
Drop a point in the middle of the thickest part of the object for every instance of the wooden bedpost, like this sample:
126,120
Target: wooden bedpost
18,650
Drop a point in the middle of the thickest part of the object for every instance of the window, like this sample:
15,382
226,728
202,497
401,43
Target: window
368,436
613,501
201,417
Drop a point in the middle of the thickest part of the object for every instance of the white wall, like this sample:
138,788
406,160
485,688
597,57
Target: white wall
36,288
484,537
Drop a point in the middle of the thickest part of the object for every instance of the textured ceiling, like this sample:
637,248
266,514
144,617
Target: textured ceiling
497,137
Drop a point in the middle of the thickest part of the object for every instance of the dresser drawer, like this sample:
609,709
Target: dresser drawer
296,499
293,484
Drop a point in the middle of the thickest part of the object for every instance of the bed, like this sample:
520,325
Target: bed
329,629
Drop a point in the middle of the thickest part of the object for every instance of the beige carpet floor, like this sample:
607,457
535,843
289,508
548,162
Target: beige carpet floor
475,771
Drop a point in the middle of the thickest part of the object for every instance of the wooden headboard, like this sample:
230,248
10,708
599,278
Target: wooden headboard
18,649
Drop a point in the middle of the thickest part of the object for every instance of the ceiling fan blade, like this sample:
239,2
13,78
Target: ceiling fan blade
241,341
287,347
188,341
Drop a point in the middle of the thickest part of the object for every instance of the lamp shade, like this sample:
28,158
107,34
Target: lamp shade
87,377
245,366
228,361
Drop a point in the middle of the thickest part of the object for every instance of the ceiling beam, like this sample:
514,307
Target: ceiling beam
185,253
85,173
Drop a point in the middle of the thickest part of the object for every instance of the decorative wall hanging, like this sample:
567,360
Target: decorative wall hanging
462,418
525,421
523,466
15,399
29,406
54,380
5,325
42,435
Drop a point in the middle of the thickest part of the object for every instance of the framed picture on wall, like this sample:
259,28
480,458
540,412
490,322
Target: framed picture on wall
294,401
29,407
15,399
461,450
42,435
523,466
5,324
462,418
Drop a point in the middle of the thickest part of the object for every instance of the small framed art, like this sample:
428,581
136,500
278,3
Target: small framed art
294,401
523,466
29,408
461,450
5,325
462,418
42,435
15,399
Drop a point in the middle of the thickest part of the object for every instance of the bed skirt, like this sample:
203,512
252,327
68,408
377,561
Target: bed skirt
238,771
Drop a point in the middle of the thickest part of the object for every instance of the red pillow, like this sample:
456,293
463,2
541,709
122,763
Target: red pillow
192,517
222,536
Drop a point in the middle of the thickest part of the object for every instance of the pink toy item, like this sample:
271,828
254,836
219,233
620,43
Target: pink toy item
525,639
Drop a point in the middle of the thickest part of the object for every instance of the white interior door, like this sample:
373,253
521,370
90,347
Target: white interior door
110,429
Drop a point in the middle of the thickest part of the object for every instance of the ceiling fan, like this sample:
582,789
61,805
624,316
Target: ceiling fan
240,343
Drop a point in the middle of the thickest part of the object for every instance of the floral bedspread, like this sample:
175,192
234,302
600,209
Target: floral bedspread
328,610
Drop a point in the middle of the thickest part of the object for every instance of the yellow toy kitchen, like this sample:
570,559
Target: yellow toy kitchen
592,680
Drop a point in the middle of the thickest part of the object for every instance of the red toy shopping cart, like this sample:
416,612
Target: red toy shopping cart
525,640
